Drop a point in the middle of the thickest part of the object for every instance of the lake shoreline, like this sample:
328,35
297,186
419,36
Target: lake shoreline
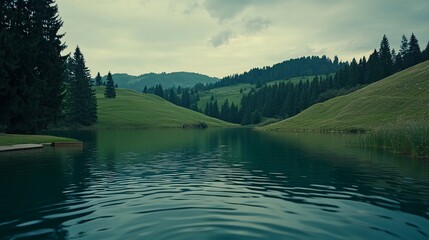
13,142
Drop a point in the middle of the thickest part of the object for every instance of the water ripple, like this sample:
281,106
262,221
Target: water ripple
213,195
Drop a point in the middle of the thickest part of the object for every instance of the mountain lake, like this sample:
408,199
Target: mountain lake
212,184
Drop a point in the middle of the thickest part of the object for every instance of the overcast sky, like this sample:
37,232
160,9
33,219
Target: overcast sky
223,37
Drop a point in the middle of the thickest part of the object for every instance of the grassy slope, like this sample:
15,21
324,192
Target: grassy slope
232,93
12,139
132,109
403,96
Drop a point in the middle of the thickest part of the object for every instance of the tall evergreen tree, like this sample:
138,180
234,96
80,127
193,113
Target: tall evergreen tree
215,109
374,69
81,102
234,112
413,55
225,111
98,80
207,109
425,53
385,58
354,73
185,99
403,50
110,91
362,72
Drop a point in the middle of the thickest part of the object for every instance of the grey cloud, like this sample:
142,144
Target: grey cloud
257,24
191,7
226,9
263,31
221,38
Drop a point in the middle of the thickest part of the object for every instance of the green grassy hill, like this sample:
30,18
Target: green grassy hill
400,97
232,93
132,109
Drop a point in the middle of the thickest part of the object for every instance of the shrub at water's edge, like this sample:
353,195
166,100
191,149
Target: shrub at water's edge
409,138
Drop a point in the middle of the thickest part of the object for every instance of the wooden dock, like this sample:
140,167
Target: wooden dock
20,147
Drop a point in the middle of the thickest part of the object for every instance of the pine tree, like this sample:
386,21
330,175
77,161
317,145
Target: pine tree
354,73
110,91
98,80
172,97
374,69
362,72
215,109
159,91
336,61
403,50
225,111
207,109
235,118
145,89
385,58
413,55
81,102
425,53
185,99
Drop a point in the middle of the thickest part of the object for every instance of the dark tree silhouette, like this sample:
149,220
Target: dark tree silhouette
32,69
110,91
81,102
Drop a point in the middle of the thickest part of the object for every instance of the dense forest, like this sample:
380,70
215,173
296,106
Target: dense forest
32,69
39,86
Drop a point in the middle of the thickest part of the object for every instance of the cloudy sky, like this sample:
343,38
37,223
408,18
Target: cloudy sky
223,37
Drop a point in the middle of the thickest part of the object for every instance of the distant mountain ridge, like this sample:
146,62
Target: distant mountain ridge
296,67
167,80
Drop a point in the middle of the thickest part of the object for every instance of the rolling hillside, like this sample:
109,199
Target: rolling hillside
400,97
167,80
232,93
132,109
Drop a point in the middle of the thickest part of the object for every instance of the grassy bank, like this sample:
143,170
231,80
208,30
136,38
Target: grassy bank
131,109
409,138
404,94
13,139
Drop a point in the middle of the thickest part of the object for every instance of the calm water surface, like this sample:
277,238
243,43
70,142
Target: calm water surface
212,184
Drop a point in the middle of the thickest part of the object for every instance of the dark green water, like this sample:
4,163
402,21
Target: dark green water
212,184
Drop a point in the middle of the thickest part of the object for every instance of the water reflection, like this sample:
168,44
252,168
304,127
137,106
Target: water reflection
212,184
